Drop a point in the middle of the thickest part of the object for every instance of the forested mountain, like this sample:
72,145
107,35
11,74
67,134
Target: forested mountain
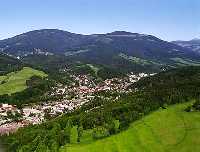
118,49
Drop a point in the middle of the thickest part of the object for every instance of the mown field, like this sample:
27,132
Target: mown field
16,81
166,130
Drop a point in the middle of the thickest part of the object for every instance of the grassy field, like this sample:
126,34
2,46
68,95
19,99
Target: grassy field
168,130
138,60
184,62
16,81
94,68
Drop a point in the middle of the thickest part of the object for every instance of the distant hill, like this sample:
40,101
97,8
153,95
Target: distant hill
118,49
193,44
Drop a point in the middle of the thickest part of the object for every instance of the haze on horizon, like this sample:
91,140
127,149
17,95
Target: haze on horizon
169,20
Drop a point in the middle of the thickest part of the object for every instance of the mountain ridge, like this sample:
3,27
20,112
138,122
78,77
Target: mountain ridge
100,48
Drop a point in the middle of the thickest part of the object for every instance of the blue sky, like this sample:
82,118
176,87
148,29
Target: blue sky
166,19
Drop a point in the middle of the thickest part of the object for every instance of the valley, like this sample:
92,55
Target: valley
89,115
119,91
73,97
100,76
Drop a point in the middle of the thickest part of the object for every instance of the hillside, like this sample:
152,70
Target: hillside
193,44
174,78
119,49
105,116
171,129
16,81
9,64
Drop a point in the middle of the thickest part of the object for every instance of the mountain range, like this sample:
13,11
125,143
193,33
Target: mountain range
118,49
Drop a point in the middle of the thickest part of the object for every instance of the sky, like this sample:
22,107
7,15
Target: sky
166,19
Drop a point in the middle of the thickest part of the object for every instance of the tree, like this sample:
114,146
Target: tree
41,147
47,114
74,135
80,132
67,131
100,132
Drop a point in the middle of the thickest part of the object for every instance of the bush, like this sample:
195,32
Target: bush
100,132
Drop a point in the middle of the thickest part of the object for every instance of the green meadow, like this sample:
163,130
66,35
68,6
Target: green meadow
166,130
16,81
185,62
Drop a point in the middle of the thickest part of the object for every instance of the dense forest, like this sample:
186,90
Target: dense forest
105,116
9,64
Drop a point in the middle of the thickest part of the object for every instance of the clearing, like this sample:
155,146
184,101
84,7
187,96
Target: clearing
16,81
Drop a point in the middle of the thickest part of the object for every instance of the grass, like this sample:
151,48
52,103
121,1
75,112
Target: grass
94,68
184,62
16,81
139,61
168,130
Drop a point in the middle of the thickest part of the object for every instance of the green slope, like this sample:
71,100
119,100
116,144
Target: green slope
185,62
16,81
168,130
